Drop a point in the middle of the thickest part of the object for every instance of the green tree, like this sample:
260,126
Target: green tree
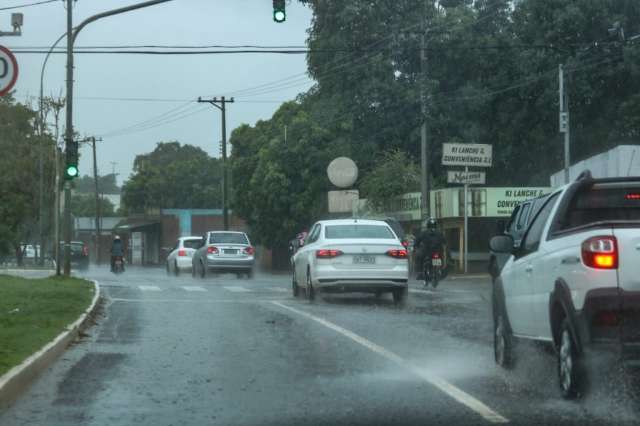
84,205
107,184
173,176
19,201
393,174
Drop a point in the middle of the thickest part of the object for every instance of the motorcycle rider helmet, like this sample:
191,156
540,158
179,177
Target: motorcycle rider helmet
432,224
117,238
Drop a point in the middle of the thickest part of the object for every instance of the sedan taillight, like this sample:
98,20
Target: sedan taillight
397,253
212,250
600,252
182,253
328,253
249,250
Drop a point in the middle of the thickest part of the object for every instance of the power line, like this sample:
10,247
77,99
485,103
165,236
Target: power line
27,5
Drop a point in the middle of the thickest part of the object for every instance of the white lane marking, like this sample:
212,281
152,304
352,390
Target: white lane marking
200,300
236,289
149,287
454,392
280,289
193,288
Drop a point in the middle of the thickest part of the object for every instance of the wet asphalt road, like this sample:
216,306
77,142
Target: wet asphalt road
227,351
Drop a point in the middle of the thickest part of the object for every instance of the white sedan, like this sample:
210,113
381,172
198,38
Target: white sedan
351,255
179,258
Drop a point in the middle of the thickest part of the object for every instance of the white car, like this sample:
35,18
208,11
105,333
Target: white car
574,281
351,255
179,259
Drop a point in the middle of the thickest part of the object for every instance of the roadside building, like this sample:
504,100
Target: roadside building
488,210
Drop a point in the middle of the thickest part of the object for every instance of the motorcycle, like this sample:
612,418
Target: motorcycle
433,269
118,265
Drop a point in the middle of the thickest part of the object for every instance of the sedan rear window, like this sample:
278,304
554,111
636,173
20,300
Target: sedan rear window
227,238
358,231
192,244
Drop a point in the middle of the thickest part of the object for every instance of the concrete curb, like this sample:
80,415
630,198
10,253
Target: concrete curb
18,379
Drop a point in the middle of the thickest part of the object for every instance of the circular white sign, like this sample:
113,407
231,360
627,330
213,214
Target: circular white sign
8,70
342,172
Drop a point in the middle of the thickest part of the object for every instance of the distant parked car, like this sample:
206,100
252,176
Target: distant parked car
79,254
224,251
179,258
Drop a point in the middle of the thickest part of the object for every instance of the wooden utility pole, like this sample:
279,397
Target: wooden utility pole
221,105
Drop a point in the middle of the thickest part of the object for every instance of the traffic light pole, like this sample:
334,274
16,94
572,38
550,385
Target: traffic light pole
72,34
221,105
68,140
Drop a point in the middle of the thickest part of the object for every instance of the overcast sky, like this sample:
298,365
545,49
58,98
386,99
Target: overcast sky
181,78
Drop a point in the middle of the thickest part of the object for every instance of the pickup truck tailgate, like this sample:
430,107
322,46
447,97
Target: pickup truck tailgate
629,258
629,283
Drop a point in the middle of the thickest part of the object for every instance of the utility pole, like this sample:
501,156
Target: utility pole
564,120
57,105
95,180
221,105
72,34
425,180
68,139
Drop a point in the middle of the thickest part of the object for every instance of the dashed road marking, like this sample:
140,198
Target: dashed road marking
149,287
236,289
454,392
278,289
193,288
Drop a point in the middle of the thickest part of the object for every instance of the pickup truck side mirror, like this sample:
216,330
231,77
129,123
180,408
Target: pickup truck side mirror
501,244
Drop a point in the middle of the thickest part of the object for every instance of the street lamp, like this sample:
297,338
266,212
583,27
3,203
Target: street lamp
72,34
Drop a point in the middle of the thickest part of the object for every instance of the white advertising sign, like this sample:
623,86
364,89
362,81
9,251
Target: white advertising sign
477,178
467,154
342,201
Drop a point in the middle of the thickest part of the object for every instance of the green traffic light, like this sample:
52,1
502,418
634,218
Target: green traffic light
279,15
72,171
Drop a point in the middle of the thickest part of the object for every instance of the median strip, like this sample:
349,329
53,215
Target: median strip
38,319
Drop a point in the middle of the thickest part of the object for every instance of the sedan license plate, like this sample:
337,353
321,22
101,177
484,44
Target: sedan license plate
436,262
364,260
230,251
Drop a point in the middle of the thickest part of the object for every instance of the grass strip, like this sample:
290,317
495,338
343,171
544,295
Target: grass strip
34,311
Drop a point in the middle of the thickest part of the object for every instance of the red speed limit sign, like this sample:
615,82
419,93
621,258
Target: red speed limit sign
8,70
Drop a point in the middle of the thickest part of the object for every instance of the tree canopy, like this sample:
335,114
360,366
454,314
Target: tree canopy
491,76
173,176
19,183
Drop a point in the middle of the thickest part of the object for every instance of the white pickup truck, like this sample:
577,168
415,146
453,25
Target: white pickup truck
574,280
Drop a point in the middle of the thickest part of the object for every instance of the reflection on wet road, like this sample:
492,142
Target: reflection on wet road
178,350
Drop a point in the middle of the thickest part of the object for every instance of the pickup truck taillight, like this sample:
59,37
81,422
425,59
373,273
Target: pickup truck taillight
600,252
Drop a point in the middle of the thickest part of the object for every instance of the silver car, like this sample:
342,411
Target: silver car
224,251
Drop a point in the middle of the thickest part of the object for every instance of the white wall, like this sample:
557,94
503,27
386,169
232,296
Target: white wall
623,160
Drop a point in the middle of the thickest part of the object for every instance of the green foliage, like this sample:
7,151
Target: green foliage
19,184
491,77
393,175
107,184
83,205
173,176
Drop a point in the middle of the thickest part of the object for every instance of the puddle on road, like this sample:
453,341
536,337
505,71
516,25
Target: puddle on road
87,378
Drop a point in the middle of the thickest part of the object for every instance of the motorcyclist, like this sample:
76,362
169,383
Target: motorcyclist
430,240
117,250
